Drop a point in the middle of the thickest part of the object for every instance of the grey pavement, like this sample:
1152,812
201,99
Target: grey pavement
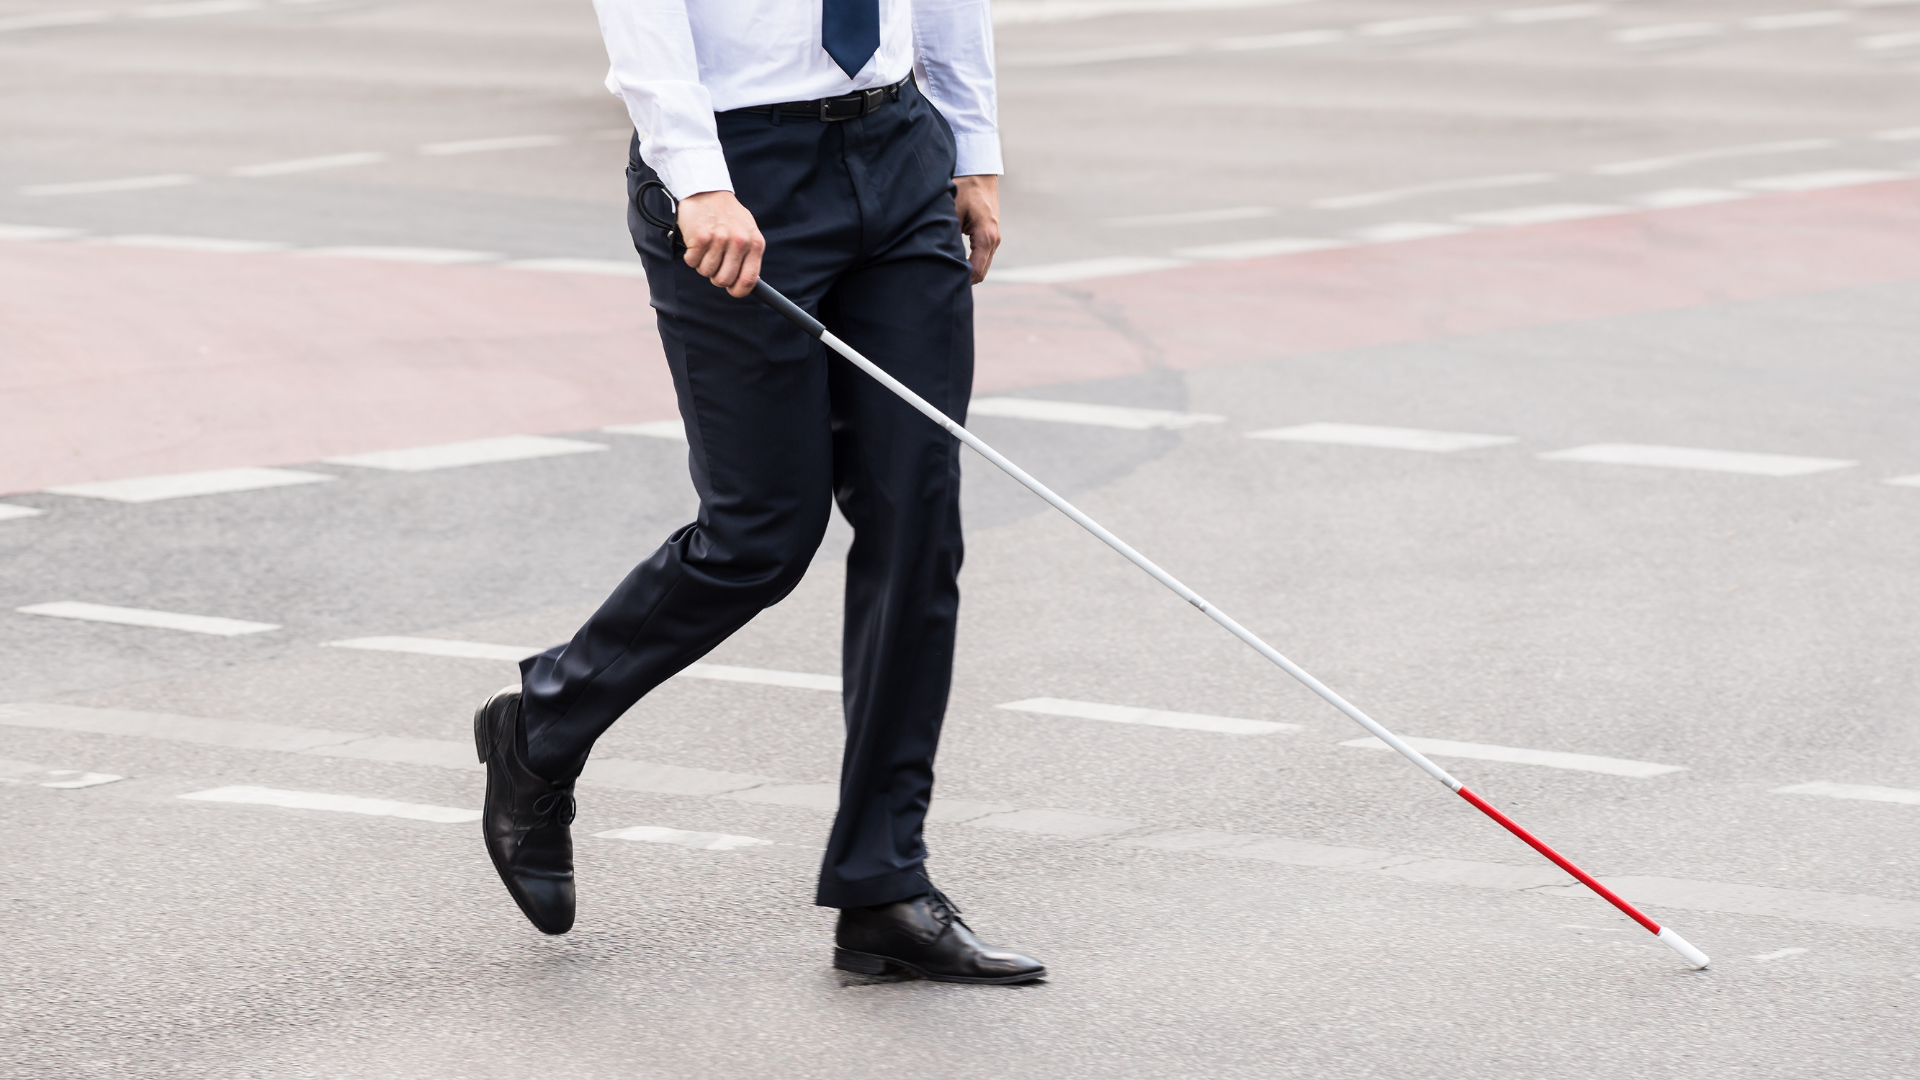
1210,904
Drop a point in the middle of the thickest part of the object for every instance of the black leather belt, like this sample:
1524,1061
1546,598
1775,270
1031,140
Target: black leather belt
834,109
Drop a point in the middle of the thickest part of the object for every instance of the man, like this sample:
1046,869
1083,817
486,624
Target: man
797,140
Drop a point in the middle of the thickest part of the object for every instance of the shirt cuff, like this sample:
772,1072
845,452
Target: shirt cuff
977,153
691,172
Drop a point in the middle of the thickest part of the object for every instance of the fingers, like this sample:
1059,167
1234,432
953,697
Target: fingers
724,244
981,244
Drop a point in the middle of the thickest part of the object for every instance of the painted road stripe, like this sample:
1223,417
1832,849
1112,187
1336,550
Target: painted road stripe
481,146
610,267
1905,39
1388,438
11,511
1556,13
431,256
312,164
159,620
1476,183
1797,20
53,18
473,452
1127,714
655,429
194,8
1853,791
1665,32
211,245
1293,39
1540,215
1835,908
1674,198
1189,217
1674,161
343,804
1425,24
1552,759
20,772
705,841
1073,412
1260,249
1395,232
36,232
145,489
1681,457
1906,481
107,187
1083,270
1898,134
1777,954
475,650
1817,181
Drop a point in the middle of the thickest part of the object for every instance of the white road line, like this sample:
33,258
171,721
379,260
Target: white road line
20,772
1674,161
13,511
1027,12
1818,181
472,452
1189,217
1387,438
1681,457
1667,32
52,19
611,267
1425,24
146,489
1152,50
1557,13
433,256
1796,20
482,146
36,232
1898,134
209,244
159,620
1672,198
1083,270
1295,39
343,804
475,650
1066,823
1540,215
654,429
105,187
704,841
195,8
1395,232
1258,249
312,164
1906,481
1906,39
1127,714
1552,759
1837,908
1477,183
1777,954
1853,791
1074,412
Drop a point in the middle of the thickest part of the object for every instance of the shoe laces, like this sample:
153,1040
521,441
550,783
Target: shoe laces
944,908
555,807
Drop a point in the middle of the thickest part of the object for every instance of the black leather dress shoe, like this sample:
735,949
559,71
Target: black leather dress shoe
525,819
924,935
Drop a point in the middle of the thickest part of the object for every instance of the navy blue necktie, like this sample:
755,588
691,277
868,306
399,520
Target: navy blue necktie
850,32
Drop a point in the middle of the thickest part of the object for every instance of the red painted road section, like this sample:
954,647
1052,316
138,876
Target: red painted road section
118,362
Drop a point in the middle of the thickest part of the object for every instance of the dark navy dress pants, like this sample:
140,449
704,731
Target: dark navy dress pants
861,231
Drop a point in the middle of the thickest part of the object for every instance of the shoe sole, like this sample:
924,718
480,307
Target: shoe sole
869,964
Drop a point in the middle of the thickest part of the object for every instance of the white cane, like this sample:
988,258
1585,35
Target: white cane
768,295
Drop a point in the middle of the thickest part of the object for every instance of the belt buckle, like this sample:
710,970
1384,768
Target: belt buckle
827,104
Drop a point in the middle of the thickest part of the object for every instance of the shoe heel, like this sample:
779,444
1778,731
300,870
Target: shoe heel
848,960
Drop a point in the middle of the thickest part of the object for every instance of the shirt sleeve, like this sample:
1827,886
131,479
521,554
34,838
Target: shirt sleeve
953,55
655,72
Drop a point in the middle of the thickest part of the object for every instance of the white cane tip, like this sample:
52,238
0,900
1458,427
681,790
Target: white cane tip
1678,944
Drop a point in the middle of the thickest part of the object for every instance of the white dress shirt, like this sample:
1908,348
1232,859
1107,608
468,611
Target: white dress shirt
676,62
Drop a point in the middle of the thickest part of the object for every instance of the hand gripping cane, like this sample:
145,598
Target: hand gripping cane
767,295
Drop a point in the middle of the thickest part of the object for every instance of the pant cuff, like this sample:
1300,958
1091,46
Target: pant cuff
872,892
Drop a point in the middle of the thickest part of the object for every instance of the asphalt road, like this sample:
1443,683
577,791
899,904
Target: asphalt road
1214,898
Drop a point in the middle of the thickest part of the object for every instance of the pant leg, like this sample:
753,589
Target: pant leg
908,306
753,394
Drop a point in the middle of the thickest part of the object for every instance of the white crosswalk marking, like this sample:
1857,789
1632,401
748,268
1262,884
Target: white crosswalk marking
609,267
145,489
475,650
159,620
1906,481
653,429
1386,438
344,804
1819,181
210,245
1127,714
1074,412
705,841
1082,270
431,256
1681,457
1862,792
1260,249
311,164
1552,759
11,511
473,452
1540,215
